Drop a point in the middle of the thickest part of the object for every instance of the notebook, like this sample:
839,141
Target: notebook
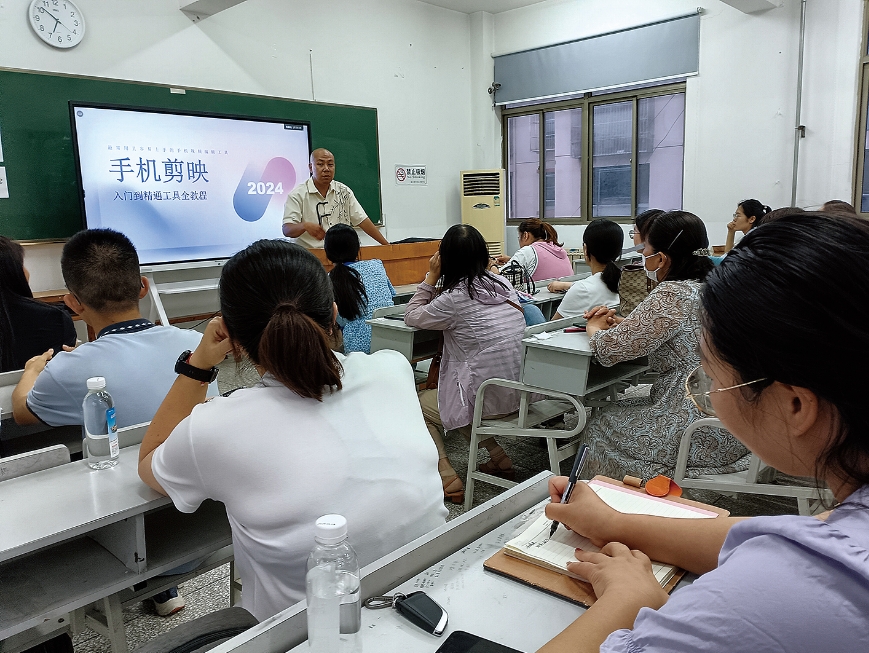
535,546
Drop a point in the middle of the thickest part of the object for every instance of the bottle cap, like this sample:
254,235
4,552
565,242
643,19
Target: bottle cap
96,383
330,529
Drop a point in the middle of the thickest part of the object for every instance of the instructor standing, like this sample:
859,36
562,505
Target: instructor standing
322,202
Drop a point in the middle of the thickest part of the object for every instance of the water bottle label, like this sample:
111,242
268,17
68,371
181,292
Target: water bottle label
113,432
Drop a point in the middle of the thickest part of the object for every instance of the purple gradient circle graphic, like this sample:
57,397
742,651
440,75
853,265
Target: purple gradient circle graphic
257,188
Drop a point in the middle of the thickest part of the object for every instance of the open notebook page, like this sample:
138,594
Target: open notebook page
534,544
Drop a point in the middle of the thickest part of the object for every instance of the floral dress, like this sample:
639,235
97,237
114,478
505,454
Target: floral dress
357,334
641,436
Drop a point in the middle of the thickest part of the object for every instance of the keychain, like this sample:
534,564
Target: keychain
418,608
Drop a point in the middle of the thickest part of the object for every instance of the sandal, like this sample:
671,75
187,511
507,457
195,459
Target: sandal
454,489
498,465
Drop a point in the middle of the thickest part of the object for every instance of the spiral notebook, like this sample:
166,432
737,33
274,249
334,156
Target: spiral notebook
548,557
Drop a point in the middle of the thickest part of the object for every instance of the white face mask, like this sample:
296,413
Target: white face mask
652,274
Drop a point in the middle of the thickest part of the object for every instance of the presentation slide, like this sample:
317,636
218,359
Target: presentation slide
186,187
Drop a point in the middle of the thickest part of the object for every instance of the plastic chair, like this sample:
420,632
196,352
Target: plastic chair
521,424
201,634
809,499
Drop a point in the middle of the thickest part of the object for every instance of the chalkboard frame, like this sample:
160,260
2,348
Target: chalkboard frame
46,207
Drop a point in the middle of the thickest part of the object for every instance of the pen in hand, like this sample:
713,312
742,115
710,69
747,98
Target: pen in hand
578,463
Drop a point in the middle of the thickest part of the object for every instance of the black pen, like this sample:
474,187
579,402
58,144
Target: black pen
578,463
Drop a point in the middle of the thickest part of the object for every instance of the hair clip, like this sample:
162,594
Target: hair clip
703,251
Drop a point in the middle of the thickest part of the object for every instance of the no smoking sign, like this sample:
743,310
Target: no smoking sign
410,175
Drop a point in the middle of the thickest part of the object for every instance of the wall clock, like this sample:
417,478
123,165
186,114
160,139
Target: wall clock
59,23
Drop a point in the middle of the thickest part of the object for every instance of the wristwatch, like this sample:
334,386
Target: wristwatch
183,367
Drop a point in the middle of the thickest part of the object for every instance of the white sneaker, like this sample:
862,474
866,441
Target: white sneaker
168,602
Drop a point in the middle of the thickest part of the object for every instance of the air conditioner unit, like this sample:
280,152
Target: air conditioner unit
483,206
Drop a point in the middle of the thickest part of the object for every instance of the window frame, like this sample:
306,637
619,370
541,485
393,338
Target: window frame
587,104
862,109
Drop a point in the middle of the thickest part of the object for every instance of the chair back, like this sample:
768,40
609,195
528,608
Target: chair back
33,461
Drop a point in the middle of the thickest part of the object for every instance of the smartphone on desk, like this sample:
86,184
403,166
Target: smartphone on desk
461,642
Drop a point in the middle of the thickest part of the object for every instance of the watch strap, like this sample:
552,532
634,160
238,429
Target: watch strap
184,368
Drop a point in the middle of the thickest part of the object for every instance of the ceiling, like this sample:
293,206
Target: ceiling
490,6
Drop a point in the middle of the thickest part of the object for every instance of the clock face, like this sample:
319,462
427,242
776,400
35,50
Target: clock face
57,22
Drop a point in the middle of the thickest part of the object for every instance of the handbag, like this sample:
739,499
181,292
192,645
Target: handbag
634,287
434,370
519,278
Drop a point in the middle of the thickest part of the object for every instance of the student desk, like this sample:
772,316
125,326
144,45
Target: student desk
73,536
388,331
564,362
448,564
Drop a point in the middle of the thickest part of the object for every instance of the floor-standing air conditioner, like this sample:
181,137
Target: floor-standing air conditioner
483,205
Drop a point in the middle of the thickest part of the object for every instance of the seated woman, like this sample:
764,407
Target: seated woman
483,324
641,436
314,437
28,327
360,286
540,253
602,245
795,405
745,218
642,223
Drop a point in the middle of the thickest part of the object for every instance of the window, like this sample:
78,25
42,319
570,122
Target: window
861,186
603,156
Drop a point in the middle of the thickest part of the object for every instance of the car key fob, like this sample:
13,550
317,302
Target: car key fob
422,610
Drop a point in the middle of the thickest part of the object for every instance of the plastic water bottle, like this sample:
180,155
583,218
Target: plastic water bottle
101,431
332,587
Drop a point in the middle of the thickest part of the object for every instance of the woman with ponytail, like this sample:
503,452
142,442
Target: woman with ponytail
28,327
746,217
360,286
641,436
602,244
312,438
540,253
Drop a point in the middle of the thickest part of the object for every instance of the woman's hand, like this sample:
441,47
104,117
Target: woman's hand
434,269
213,347
620,571
599,319
586,513
559,286
731,226
501,259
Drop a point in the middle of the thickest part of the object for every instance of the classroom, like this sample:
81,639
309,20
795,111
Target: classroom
640,331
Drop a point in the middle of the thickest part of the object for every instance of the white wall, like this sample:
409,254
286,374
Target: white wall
410,60
740,109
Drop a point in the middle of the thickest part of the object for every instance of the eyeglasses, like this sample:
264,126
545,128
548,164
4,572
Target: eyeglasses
698,388
735,215
632,233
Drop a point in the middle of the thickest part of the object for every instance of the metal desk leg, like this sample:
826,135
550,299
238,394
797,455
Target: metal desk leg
234,585
109,622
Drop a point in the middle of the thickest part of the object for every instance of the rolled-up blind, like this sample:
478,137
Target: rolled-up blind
658,51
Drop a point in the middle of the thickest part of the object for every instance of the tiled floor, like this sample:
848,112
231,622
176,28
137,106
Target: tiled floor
210,591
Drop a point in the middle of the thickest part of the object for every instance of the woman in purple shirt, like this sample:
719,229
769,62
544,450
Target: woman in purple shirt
794,394
482,323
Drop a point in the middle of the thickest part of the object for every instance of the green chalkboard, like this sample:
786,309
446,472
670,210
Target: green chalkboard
36,137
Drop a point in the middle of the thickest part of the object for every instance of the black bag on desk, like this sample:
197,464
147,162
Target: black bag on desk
518,276
634,287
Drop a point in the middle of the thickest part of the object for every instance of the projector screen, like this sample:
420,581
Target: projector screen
186,187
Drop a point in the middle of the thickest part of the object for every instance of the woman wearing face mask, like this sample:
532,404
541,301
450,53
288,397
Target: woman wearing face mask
745,218
641,436
787,396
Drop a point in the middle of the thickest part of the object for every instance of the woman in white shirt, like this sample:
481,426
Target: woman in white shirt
602,244
315,437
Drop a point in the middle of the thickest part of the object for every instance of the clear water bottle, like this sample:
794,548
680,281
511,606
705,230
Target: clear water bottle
101,431
332,587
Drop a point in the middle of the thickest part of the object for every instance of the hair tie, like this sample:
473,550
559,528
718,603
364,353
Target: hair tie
703,251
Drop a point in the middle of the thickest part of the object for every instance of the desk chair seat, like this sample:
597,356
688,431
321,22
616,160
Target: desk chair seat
532,412
201,634
810,500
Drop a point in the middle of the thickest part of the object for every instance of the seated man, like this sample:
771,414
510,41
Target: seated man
136,357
